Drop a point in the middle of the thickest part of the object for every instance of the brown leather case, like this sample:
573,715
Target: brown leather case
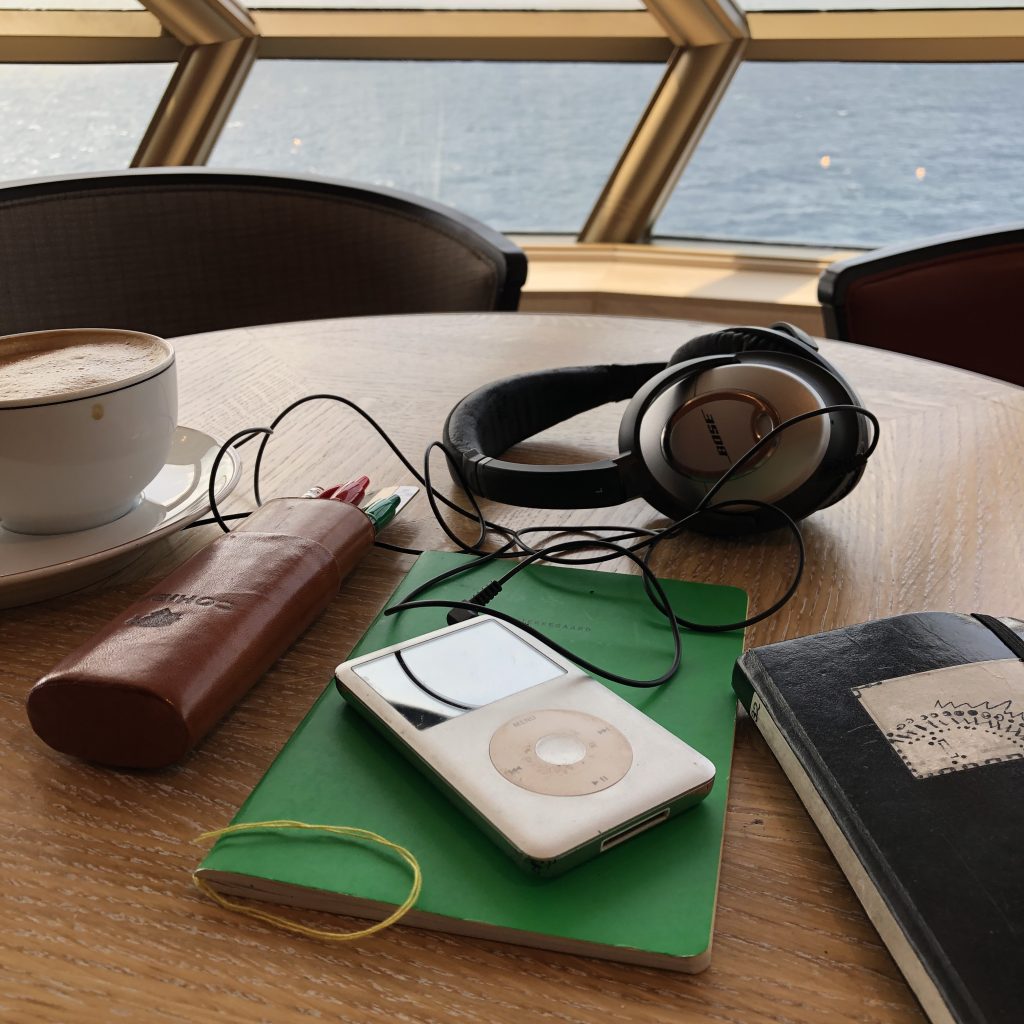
155,680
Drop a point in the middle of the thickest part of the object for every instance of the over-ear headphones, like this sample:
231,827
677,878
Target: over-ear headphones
686,423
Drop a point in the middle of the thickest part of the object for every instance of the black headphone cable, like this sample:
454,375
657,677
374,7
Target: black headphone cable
514,546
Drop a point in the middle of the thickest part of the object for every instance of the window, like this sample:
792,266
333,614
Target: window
61,118
521,146
449,5
70,5
856,154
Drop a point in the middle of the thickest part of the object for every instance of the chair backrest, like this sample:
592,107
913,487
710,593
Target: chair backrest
183,250
956,299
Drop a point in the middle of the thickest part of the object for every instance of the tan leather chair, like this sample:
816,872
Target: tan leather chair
955,299
180,250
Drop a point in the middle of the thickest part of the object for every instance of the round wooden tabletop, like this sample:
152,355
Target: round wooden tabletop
101,921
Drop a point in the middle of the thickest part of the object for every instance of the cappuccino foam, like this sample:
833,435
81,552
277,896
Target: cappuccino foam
48,366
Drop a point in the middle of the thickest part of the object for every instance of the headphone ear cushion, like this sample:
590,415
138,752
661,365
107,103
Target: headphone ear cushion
780,337
718,343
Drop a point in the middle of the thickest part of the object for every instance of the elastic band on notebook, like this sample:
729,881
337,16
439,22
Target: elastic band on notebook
293,926
1003,631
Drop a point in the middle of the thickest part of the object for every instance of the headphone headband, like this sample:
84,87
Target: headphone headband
490,420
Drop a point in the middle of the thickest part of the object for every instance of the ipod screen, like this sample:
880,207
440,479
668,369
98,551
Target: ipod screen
451,674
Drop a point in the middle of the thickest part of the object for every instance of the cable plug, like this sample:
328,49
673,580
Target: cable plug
482,597
487,594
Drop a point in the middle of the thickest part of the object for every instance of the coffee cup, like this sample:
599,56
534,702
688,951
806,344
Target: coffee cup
86,422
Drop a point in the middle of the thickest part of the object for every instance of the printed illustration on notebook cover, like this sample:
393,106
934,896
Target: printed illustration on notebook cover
952,719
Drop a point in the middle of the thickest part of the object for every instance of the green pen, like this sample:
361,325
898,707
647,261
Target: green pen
381,512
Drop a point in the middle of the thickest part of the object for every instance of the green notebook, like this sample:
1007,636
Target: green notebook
649,901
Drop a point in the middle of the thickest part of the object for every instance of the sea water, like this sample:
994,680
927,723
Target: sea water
809,153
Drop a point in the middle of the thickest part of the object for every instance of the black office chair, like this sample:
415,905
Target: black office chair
180,250
955,299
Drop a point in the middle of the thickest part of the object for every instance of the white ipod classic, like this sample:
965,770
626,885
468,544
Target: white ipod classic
554,766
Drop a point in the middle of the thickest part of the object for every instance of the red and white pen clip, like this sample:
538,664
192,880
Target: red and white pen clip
352,493
382,508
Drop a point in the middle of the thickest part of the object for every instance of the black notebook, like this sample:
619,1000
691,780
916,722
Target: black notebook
904,738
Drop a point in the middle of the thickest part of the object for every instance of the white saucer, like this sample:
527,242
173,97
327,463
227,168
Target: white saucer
34,567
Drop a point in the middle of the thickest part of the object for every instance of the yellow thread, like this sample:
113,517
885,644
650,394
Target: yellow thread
283,922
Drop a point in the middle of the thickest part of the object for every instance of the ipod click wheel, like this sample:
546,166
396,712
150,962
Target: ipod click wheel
548,761
560,753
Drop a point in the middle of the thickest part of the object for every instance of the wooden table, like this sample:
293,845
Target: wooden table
100,921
